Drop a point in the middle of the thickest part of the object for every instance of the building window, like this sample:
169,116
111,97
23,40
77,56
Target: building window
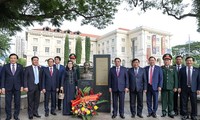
57,50
123,49
107,42
107,50
70,51
157,39
35,48
98,52
46,49
134,39
70,43
113,49
113,40
123,39
98,45
91,45
58,41
123,62
148,37
157,50
102,51
35,40
103,44
47,41
135,48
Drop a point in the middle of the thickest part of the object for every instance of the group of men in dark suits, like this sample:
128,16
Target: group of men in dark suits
167,79
34,79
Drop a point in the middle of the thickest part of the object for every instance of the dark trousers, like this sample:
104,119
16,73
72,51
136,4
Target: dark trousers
8,106
152,94
115,96
133,96
176,108
59,100
53,101
185,94
33,100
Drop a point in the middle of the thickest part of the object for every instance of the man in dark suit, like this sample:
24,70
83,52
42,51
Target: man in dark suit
32,85
189,87
178,66
12,85
155,81
61,69
137,85
50,82
118,85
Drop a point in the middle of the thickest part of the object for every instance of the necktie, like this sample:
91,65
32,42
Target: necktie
178,68
135,71
51,71
189,77
13,69
151,75
117,71
36,75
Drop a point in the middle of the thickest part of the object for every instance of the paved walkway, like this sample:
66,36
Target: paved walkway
101,116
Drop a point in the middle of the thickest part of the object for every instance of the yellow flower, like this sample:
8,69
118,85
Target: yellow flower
76,111
82,109
88,112
72,108
95,107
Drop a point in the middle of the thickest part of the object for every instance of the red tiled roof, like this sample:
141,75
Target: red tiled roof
62,31
123,29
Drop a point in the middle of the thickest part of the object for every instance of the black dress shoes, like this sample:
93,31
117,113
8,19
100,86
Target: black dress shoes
17,118
132,116
154,115
184,118
194,118
122,116
53,113
139,115
113,116
171,116
59,108
30,117
46,114
163,115
149,115
37,116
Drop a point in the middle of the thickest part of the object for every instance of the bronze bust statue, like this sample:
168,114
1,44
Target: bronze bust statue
86,75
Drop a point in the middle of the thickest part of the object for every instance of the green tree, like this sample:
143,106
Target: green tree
4,44
78,50
22,61
17,13
87,49
185,50
66,52
178,9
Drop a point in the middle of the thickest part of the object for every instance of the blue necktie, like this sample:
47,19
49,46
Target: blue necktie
36,75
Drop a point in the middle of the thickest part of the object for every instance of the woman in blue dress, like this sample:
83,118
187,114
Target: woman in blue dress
69,85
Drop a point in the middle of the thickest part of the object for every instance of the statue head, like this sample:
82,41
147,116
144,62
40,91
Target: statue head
86,66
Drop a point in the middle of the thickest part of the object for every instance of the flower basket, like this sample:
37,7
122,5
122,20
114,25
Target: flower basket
85,104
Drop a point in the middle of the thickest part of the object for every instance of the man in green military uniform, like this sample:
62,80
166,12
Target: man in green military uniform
72,57
170,85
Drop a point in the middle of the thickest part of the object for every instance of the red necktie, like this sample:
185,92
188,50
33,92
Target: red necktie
51,71
151,75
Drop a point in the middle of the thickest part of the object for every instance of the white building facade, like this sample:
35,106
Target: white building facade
141,43
47,43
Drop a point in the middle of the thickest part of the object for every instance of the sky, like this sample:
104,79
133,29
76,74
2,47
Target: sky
180,29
